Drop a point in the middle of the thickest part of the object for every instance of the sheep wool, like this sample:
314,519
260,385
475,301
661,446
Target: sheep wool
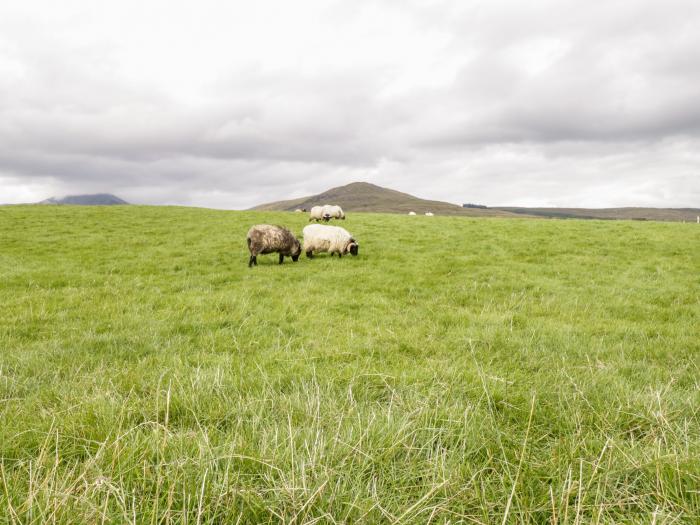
429,214
316,213
411,212
334,212
266,238
333,239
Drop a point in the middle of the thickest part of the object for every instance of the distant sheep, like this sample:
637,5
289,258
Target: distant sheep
411,212
333,239
429,214
266,238
317,214
298,210
334,212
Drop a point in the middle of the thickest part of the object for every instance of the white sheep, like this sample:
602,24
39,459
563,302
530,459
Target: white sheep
429,214
333,239
316,213
326,213
411,212
333,211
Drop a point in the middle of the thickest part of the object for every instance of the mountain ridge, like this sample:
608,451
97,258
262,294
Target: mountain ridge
93,199
635,213
368,197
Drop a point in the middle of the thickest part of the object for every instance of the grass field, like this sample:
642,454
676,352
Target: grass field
457,371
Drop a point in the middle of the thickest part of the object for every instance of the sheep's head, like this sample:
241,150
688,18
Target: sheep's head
296,251
352,247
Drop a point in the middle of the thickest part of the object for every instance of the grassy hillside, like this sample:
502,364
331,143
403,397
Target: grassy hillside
366,197
458,370
650,214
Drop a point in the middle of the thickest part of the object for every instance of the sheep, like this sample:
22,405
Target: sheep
411,212
334,212
333,239
266,238
326,213
298,210
316,213
429,214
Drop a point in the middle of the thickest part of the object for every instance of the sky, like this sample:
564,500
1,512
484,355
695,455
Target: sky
229,104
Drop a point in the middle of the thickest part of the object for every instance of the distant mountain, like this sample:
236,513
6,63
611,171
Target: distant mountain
363,196
640,214
98,199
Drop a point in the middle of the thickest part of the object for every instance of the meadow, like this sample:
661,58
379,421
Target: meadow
458,370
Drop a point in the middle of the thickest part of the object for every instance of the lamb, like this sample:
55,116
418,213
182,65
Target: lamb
266,238
333,239
429,214
411,212
316,213
335,212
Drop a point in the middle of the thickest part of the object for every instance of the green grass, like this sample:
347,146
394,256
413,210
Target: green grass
457,371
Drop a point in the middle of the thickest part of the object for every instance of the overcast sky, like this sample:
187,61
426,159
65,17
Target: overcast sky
229,104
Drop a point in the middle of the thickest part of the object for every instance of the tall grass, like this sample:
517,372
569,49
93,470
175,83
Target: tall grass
457,371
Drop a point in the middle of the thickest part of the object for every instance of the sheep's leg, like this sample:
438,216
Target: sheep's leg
252,261
332,254
310,254
281,258
340,255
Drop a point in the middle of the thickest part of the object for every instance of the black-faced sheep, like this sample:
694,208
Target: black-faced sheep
334,212
266,238
316,214
333,239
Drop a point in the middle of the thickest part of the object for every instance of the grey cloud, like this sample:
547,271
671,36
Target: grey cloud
550,102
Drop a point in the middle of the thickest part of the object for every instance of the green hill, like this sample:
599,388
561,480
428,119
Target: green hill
458,370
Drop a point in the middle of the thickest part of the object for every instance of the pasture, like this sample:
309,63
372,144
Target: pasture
458,370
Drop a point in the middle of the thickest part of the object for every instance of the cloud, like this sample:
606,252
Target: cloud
230,104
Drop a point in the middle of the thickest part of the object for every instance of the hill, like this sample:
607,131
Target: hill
363,196
97,199
455,371
643,214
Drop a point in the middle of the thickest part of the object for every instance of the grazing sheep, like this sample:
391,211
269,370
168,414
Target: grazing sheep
333,239
429,214
411,212
316,213
327,213
298,210
334,212
266,238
